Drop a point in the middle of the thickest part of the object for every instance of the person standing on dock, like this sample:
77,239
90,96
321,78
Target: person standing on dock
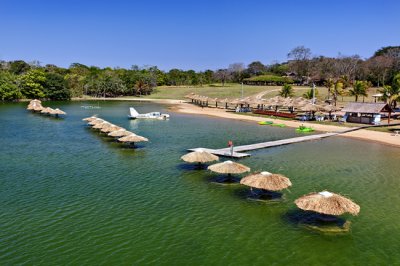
230,145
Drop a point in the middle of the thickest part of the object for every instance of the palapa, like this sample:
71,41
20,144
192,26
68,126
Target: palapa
96,121
89,119
110,128
327,203
46,110
119,133
37,108
57,112
266,181
310,107
199,156
133,138
101,125
229,167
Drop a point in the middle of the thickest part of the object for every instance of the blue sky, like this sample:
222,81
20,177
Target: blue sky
188,34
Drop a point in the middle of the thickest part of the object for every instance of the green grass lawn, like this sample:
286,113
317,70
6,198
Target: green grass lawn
234,90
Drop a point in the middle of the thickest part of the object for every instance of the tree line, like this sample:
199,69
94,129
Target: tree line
20,79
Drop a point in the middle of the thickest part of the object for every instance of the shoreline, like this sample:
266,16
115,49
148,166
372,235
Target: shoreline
181,106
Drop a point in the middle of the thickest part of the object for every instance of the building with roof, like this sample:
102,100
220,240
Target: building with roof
366,113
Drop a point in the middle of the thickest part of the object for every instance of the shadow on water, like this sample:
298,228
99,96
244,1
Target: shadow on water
224,180
50,117
245,193
191,166
321,223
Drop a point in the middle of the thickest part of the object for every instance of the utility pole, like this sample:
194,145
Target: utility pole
313,93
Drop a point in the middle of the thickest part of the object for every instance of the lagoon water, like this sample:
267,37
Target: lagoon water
70,196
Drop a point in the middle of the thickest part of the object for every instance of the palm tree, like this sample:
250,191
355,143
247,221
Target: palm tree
329,83
337,90
391,94
359,89
309,94
286,91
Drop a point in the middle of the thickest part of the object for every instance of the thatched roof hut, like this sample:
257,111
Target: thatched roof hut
199,156
310,107
229,167
89,119
327,203
46,110
57,112
266,181
367,108
133,138
110,128
120,133
96,121
101,125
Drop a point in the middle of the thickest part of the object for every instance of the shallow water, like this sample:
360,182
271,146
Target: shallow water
72,196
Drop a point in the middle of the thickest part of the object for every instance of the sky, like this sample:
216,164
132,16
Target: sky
199,35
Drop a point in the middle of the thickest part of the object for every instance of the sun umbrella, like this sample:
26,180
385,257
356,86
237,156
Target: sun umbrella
57,112
119,133
96,121
267,181
327,203
101,125
133,138
310,107
110,128
46,110
199,156
329,108
229,167
89,119
37,108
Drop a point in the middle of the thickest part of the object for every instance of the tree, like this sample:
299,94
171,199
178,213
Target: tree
337,90
18,67
310,94
256,68
286,91
55,87
236,71
329,84
222,75
32,83
359,89
300,62
9,90
391,94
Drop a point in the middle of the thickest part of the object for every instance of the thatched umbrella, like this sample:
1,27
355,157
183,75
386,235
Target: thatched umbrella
57,112
37,108
96,121
199,156
327,203
101,125
46,110
119,133
266,181
89,119
229,167
110,128
132,138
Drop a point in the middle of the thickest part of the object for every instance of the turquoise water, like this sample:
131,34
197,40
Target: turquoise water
71,196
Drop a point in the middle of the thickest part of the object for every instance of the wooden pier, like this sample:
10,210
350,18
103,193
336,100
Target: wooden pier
238,150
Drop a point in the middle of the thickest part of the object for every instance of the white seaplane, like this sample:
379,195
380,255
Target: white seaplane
153,115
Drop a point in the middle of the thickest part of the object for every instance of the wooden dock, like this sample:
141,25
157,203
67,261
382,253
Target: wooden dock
238,150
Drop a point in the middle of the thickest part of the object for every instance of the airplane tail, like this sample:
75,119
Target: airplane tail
133,112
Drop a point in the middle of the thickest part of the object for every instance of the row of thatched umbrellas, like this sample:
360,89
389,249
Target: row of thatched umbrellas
277,101
36,106
120,133
321,202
